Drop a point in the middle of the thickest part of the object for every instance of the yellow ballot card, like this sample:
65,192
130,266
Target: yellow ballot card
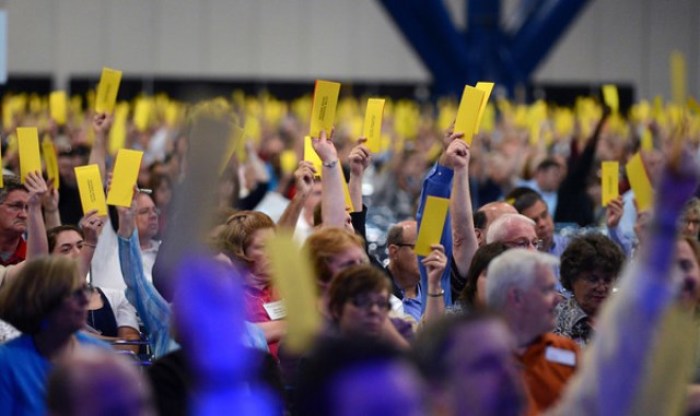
235,144
124,176
611,98
117,134
107,90
92,195
372,128
610,181
58,106
486,87
294,276
647,141
311,156
142,113
468,112
431,224
346,191
693,106
29,156
51,161
679,82
288,161
641,186
323,108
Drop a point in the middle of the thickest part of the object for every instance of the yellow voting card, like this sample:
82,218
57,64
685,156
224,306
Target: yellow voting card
124,176
107,90
611,97
486,87
323,108
142,113
117,134
431,224
679,81
468,112
310,155
58,106
235,144
372,127
92,195
647,141
609,181
346,191
288,162
641,186
294,276
29,156
51,161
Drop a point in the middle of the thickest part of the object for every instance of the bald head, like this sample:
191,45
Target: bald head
489,213
511,227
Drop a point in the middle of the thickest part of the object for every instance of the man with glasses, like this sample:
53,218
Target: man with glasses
403,266
14,210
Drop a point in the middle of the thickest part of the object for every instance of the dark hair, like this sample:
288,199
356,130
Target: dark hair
394,235
588,253
354,281
526,201
547,164
52,234
11,183
479,263
518,192
480,220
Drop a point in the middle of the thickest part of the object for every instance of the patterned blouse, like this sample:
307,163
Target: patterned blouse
572,322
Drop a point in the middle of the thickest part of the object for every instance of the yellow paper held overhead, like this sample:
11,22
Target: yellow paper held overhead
647,141
124,176
679,82
346,191
51,161
468,112
310,155
293,275
92,195
107,90
142,114
641,186
611,97
236,144
610,181
486,87
58,106
117,134
372,128
29,156
323,108
288,162
431,224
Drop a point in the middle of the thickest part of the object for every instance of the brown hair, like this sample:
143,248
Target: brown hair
235,237
323,244
52,234
39,288
354,281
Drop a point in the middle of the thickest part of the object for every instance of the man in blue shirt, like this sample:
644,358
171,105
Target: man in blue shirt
403,266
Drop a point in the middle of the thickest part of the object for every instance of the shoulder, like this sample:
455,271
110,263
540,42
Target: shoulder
562,342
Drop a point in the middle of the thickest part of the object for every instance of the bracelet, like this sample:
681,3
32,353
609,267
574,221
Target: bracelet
437,295
330,164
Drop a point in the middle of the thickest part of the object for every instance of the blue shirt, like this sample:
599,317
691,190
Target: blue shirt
413,306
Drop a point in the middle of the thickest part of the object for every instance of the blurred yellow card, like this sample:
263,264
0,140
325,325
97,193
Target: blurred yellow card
647,141
694,106
236,144
611,98
51,161
610,181
679,81
641,186
323,109
124,176
117,134
92,195
372,128
468,112
310,155
107,90
288,162
142,114
29,156
57,107
431,224
486,87
294,276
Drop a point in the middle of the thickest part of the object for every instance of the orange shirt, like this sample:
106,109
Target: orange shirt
548,364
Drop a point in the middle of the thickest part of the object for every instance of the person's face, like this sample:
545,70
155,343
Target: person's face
255,252
70,316
13,213
687,265
364,314
355,391
691,224
543,222
591,288
522,235
540,301
146,217
403,254
350,256
548,180
68,243
484,377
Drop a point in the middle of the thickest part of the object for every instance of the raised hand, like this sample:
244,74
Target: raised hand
457,154
435,264
102,122
91,224
360,158
36,186
324,147
304,178
614,212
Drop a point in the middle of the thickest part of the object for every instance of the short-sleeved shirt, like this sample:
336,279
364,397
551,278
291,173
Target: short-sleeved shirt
18,256
255,299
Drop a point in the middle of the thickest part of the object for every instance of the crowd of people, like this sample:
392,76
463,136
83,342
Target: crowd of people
536,299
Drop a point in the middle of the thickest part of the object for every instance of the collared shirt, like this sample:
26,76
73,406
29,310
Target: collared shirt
413,306
17,256
572,322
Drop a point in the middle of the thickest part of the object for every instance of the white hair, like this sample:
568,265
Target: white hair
499,228
515,267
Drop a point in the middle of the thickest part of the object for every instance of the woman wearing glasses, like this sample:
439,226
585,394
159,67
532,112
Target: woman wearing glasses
48,303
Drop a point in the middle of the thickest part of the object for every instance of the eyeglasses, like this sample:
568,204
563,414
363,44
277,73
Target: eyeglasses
412,246
17,206
83,292
366,302
146,211
595,278
524,243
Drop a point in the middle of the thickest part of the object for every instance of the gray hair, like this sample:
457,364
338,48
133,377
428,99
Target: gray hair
499,228
10,184
516,267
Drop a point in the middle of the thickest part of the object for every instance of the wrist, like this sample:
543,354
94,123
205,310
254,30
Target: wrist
436,293
50,210
330,163
89,244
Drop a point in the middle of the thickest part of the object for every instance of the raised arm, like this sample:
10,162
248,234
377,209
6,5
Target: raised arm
37,242
435,264
91,224
101,123
359,159
49,202
332,200
304,184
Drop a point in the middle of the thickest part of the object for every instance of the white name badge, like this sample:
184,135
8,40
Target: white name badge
275,310
560,356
